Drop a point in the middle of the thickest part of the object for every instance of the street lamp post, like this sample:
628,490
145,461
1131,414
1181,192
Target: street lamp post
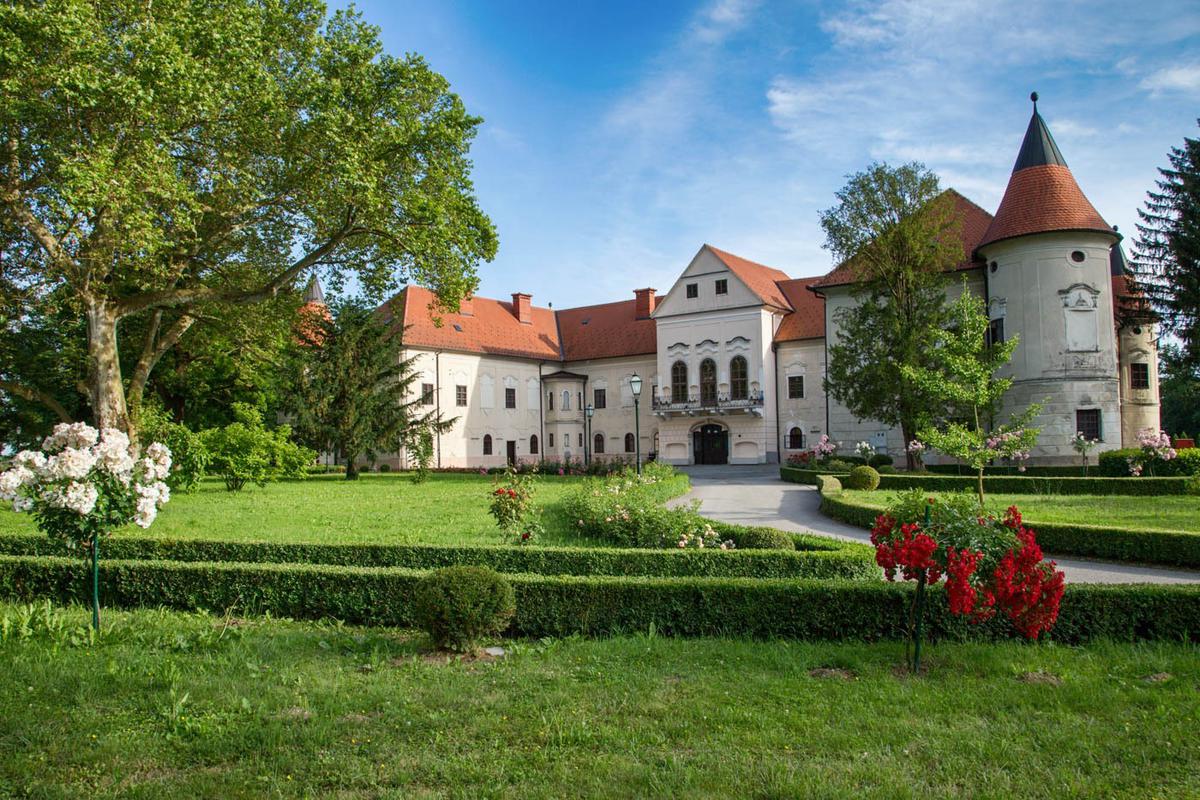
635,383
587,440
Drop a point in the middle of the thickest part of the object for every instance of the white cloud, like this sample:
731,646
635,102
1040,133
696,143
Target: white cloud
1182,78
720,19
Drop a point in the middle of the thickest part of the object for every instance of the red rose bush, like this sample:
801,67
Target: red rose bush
992,566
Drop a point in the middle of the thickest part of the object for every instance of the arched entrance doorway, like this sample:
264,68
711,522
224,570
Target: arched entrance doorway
710,444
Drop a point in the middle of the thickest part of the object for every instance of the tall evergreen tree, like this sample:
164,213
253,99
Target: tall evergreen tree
1167,252
352,392
897,232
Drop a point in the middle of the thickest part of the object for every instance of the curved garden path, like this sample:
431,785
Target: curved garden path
754,495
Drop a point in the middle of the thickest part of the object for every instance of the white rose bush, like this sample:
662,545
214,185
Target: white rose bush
84,483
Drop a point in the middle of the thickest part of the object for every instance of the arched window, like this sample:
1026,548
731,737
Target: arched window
795,439
598,443
679,382
566,406
533,445
739,386
629,443
487,444
708,382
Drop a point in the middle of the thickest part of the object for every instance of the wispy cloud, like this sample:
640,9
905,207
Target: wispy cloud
1181,78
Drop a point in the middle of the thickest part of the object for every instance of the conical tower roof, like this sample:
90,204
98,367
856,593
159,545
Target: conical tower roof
1042,194
313,292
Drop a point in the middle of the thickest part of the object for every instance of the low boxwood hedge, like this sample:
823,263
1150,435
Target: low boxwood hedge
1166,548
559,605
814,557
1115,463
1011,484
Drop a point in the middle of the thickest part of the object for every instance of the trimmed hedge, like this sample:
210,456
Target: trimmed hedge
1166,548
1114,463
808,476
817,558
564,605
1011,484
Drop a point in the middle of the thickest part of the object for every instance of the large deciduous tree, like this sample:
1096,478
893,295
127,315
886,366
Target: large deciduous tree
898,234
1167,251
157,159
353,391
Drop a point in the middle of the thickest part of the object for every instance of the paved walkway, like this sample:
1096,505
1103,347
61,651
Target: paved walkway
754,495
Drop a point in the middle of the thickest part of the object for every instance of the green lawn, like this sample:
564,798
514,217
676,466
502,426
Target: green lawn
447,509
172,705
1169,513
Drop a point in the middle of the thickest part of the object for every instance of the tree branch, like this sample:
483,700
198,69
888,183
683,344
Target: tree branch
152,352
36,396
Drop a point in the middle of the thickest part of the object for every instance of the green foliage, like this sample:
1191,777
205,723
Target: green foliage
887,469
353,392
512,507
756,537
420,448
561,605
460,607
224,154
805,557
245,451
1167,251
962,380
862,478
1115,463
189,456
898,233
880,460
1178,389
1169,548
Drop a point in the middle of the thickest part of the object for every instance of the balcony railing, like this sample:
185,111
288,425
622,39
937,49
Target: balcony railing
719,402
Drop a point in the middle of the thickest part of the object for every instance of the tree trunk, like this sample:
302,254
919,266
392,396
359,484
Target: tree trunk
105,388
910,459
351,466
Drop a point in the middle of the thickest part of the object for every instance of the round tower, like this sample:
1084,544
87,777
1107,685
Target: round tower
1137,353
1046,255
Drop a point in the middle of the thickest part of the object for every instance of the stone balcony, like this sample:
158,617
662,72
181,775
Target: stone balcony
705,405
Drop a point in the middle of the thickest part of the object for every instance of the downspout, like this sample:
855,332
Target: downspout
541,417
587,431
437,399
825,366
778,430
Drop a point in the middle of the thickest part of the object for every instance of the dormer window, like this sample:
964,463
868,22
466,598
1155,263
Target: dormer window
693,290
722,286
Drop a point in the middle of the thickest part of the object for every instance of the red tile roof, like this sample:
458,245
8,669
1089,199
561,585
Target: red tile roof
1129,303
973,221
1040,199
807,321
490,329
605,331
759,278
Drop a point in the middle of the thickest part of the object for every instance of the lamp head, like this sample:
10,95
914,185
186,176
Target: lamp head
635,383
589,410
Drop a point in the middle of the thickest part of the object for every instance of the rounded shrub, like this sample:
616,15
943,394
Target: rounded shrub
863,478
461,606
881,460
886,469
757,538
385,467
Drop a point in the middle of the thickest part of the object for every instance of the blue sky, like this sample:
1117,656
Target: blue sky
620,136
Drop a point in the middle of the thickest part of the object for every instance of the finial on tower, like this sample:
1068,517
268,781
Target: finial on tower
1034,97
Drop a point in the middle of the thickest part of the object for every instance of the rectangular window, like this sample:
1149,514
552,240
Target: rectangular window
1087,422
550,439
550,405
1139,376
795,387
722,286
460,396
510,398
693,290
426,394
600,398
995,334
581,440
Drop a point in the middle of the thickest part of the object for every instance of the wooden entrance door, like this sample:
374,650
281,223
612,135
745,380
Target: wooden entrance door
711,445
512,451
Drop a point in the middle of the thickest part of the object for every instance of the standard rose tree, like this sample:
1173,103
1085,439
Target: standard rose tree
993,567
84,483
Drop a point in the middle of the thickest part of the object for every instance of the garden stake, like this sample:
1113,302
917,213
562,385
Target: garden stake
96,581
920,608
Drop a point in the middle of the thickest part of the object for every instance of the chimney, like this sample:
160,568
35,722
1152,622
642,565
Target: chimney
521,308
645,302
464,307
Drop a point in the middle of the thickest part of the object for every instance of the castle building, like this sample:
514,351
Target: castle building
732,356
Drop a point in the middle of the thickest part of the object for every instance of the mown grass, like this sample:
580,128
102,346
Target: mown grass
448,508
172,705
1168,513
